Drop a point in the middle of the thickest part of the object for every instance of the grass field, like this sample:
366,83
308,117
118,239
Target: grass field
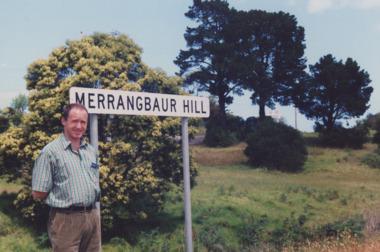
232,203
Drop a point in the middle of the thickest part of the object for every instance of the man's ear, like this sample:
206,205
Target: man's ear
63,121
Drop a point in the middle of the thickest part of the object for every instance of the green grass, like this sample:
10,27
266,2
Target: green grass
335,186
15,235
6,185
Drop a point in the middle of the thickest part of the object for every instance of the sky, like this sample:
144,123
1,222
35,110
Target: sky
30,30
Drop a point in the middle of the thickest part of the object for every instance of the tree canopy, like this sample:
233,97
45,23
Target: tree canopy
272,51
20,103
255,50
335,91
210,63
138,160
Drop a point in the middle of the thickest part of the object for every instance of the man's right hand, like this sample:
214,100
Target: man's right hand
40,195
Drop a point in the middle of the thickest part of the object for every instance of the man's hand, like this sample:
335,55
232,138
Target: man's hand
40,195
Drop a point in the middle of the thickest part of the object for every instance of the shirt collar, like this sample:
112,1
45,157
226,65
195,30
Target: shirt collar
66,142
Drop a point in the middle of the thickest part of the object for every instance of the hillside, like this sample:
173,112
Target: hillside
238,208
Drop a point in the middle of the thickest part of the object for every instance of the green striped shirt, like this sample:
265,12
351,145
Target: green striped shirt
70,176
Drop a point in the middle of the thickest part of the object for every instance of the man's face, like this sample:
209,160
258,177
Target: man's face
76,124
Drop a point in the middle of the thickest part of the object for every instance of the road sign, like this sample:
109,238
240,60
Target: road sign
105,101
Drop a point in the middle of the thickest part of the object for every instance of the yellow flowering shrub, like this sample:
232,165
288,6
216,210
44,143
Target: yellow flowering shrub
138,158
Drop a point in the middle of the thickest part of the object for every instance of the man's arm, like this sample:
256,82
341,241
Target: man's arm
40,195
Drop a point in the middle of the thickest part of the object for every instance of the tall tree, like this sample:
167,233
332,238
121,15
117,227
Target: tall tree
209,63
273,49
335,91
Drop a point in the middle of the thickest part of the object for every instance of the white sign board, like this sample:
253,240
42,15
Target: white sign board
105,101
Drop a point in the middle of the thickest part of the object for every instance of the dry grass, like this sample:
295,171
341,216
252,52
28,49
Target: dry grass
342,243
9,187
347,243
220,156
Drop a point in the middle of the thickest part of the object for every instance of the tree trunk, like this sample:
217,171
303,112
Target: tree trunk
261,110
222,111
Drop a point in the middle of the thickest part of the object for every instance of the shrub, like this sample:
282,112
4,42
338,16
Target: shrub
345,138
4,123
353,225
276,146
17,119
292,231
250,125
253,232
376,137
372,160
217,137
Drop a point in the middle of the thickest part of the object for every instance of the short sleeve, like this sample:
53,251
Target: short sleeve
42,173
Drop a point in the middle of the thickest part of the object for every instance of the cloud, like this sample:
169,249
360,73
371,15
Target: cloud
318,6
3,65
315,6
365,4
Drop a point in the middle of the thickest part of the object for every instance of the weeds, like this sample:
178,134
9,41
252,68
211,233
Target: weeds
43,241
147,240
372,160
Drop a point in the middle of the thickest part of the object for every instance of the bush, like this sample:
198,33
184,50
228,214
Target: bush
345,138
217,137
4,123
17,119
250,125
376,137
372,160
353,225
276,146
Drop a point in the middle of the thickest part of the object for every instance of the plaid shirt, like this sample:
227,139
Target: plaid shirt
70,176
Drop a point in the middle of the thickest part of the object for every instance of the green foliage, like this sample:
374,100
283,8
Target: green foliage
210,64
253,233
43,240
292,231
272,55
372,160
371,120
4,123
210,236
217,137
334,91
376,137
5,226
17,119
147,240
345,138
353,225
276,146
138,160
20,103
11,143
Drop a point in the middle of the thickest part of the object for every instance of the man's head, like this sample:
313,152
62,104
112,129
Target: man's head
74,119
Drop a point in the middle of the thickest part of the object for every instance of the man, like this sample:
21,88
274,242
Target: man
65,174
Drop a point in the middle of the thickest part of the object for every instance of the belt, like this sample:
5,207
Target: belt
77,208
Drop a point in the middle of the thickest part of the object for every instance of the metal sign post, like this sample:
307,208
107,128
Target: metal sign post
186,184
102,101
94,142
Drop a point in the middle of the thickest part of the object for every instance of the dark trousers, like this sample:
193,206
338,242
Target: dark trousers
73,231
